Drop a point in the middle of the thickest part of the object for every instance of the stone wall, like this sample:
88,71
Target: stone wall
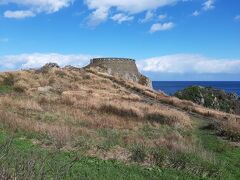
122,67
116,65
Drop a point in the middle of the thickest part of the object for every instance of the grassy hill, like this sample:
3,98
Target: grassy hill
69,123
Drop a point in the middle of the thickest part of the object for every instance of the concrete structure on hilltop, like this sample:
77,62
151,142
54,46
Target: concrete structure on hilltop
122,67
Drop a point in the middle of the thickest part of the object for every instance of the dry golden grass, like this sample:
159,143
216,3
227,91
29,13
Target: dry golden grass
21,104
78,104
82,103
61,135
224,122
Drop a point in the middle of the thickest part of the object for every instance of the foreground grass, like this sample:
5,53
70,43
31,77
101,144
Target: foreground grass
21,159
226,154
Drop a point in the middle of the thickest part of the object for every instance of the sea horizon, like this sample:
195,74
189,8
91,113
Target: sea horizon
171,87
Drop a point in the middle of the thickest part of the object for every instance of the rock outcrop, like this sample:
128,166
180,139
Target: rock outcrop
47,67
211,98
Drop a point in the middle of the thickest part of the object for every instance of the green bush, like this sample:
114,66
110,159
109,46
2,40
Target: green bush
224,106
157,117
5,89
111,138
86,77
190,93
138,153
209,101
60,73
9,80
19,88
159,156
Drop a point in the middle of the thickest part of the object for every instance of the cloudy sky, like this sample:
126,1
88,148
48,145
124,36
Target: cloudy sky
170,39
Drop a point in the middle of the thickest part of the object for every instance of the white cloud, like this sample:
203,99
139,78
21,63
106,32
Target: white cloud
18,14
189,63
175,64
148,17
208,5
98,16
100,10
161,27
237,18
125,6
131,6
33,7
196,13
120,17
162,17
35,60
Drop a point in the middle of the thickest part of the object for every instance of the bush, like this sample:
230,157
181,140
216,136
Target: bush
5,89
191,93
157,117
20,86
120,110
138,153
112,138
9,80
60,73
51,80
159,156
86,77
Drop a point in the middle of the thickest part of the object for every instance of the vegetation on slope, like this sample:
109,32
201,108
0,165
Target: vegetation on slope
227,124
21,159
78,114
211,98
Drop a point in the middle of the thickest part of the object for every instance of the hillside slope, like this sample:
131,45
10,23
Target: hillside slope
88,113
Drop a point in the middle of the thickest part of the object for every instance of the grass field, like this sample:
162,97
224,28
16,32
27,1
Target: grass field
21,158
77,124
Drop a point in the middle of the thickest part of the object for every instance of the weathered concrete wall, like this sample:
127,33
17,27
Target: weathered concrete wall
122,67
116,65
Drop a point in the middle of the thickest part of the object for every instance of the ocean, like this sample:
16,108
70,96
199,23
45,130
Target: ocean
170,87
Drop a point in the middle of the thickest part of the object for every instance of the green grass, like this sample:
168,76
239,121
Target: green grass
19,157
111,138
22,158
226,154
5,89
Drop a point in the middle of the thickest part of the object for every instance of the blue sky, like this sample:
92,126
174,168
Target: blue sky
170,39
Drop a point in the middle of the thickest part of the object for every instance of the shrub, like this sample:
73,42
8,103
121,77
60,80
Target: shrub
157,117
159,156
138,153
83,142
51,80
225,106
68,100
190,93
43,100
9,79
5,89
86,77
112,138
20,86
120,110
60,73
